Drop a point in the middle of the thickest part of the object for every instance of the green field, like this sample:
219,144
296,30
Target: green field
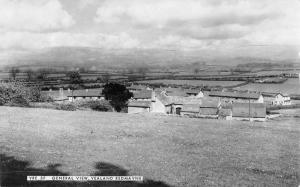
176,151
194,82
291,86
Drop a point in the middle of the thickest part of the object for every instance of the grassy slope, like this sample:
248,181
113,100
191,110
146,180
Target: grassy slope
178,151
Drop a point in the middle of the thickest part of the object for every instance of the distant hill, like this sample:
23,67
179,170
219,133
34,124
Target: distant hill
126,58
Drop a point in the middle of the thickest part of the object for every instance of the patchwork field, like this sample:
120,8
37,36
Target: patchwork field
175,151
194,82
291,86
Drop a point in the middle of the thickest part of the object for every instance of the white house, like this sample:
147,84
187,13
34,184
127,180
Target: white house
277,99
92,94
139,106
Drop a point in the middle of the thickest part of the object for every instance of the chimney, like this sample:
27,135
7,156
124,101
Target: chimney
69,90
86,90
50,90
61,90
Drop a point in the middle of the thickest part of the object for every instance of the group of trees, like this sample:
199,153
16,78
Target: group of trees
17,94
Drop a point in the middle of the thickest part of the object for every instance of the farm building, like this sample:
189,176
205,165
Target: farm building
57,95
209,108
144,95
162,104
276,99
92,94
194,93
232,97
225,113
190,110
139,106
249,111
175,92
136,88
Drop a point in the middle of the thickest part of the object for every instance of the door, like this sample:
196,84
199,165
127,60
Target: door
178,110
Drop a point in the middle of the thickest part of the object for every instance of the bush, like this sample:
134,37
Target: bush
66,106
97,105
14,94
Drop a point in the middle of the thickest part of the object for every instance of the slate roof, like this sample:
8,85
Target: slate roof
141,104
143,94
209,103
253,110
164,99
137,87
177,93
184,100
86,93
269,94
208,111
235,95
192,91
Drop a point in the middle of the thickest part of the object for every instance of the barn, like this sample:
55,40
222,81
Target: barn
139,106
191,110
249,111
92,94
209,108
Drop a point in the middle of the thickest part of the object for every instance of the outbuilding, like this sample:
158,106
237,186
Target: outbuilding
249,111
139,106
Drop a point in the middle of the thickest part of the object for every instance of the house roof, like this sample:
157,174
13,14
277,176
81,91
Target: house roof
208,111
86,93
184,100
253,110
209,103
141,104
164,99
192,91
143,94
191,108
269,94
137,87
235,95
177,93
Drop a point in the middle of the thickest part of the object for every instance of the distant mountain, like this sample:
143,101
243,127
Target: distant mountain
126,58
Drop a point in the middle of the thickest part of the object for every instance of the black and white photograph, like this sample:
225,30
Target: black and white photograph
149,93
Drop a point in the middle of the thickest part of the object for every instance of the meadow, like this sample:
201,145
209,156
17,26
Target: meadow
291,86
170,151
194,82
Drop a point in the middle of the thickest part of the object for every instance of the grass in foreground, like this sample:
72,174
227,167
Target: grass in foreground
177,151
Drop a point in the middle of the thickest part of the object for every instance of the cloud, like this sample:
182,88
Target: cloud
159,13
244,20
33,15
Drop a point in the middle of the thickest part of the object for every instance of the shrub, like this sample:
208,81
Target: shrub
97,105
14,94
66,106
117,94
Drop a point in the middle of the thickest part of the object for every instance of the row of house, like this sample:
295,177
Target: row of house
207,107
178,93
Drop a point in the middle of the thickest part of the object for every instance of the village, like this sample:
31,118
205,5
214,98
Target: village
192,102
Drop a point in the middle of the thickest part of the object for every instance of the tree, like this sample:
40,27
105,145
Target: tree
41,75
117,95
75,80
105,78
13,72
74,77
29,74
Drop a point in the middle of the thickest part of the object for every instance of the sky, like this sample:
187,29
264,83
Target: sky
220,26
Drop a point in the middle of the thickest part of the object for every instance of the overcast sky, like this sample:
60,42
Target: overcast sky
161,24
